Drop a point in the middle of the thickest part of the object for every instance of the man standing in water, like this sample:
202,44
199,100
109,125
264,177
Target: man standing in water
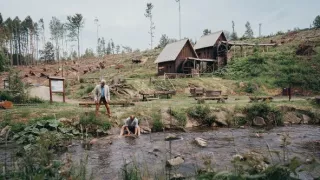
131,126
102,94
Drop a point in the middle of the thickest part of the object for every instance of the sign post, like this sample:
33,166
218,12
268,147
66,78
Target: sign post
56,85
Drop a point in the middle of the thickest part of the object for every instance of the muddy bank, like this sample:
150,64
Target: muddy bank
150,152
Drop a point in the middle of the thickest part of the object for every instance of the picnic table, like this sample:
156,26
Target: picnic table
153,95
260,98
195,92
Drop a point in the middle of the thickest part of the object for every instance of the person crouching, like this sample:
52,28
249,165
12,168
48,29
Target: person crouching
131,126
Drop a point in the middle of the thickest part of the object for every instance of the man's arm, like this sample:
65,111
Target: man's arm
107,93
95,94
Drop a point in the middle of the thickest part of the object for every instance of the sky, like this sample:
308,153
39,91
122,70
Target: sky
125,23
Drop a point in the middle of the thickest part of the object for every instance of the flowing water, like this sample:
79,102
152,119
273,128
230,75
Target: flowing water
150,152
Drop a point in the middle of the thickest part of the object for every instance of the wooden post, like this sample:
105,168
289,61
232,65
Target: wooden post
241,51
64,91
50,90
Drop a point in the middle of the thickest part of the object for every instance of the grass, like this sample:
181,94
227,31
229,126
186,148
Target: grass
180,115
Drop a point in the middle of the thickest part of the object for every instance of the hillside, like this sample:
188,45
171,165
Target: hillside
262,71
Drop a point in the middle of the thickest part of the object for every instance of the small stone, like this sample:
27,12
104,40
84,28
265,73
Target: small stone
308,161
238,156
145,130
201,142
172,137
242,127
259,121
93,141
177,177
175,161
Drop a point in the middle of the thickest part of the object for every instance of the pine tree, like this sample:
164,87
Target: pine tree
316,22
148,14
206,32
75,23
249,32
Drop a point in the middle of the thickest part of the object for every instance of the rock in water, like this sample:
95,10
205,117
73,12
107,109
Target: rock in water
4,131
177,177
259,121
172,137
305,119
201,142
291,117
145,130
221,118
175,161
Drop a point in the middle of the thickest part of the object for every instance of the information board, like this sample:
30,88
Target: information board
57,85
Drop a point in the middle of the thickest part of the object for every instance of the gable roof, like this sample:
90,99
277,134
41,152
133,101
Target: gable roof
208,40
171,51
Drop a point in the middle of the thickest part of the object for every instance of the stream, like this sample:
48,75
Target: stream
149,152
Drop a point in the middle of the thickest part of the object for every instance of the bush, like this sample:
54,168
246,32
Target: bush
81,80
89,89
157,123
5,96
250,88
202,113
35,100
180,115
263,110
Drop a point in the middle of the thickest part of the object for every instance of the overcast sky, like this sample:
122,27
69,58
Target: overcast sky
125,23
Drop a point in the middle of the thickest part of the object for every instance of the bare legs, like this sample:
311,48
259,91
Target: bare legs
136,130
107,107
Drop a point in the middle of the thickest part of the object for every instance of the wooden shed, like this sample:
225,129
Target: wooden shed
211,47
174,56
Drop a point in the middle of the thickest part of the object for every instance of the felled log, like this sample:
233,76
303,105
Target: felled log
44,75
6,104
101,65
74,69
32,73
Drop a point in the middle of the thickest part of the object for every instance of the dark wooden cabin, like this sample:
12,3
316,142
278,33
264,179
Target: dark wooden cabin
174,58
211,47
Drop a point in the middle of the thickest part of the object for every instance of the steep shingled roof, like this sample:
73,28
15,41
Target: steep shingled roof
171,51
208,40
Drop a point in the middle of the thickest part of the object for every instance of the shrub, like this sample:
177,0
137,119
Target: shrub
35,100
89,89
81,87
202,113
263,110
6,96
199,112
180,115
157,123
250,88
81,80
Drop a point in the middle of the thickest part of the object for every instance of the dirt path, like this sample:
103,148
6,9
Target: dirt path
42,92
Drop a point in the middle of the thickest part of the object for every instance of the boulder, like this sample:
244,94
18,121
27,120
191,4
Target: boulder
191,123
145,130
4,131
292,118
305,119
221,118
259,121
257,160
175,161
238,157
201,142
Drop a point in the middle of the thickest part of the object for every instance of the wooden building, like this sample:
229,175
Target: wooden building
174,56
211,46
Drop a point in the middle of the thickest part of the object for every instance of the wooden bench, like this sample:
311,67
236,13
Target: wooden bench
212,93
154,95
196,92
219,99
260,98
115,103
